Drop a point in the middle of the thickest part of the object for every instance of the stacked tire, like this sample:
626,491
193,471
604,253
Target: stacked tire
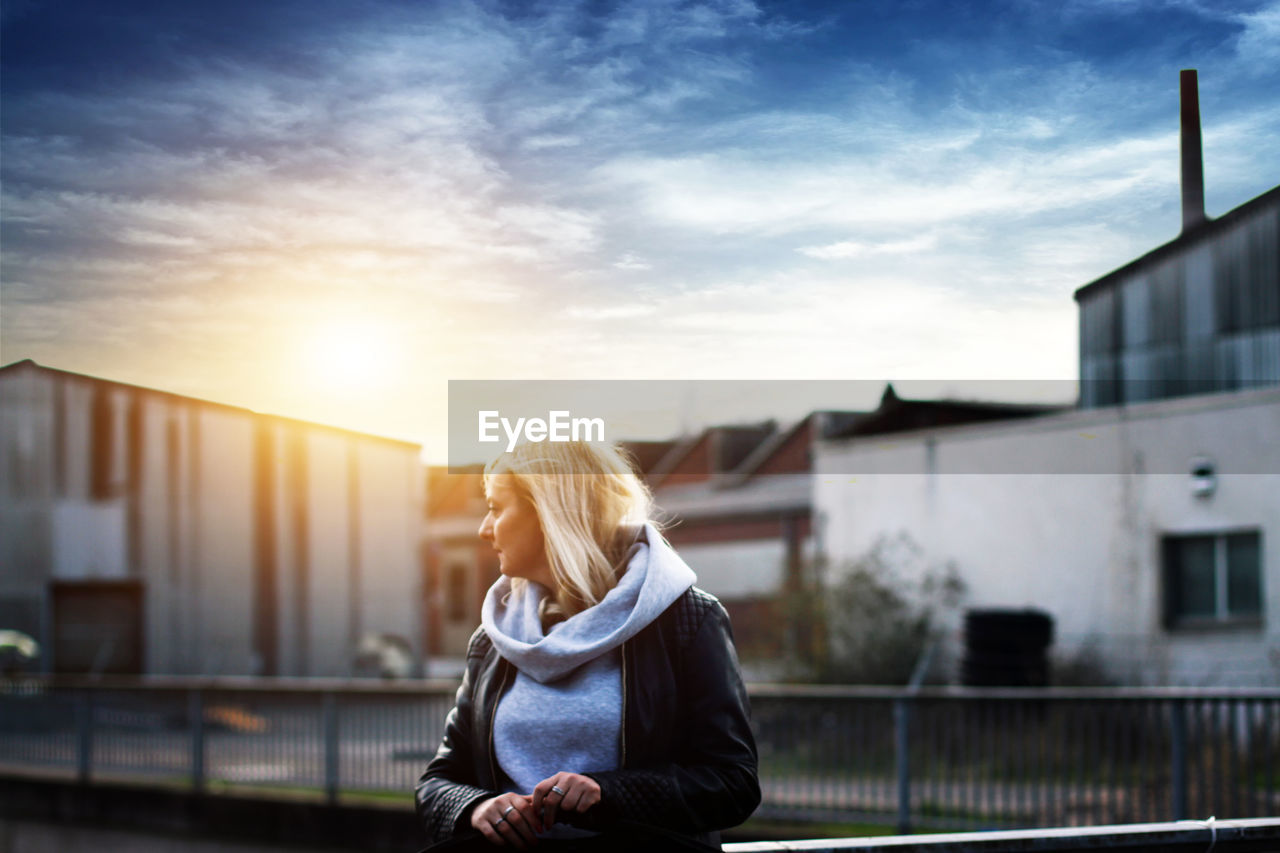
1006,648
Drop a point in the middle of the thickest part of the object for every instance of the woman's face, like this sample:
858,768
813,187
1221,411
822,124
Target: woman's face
511,526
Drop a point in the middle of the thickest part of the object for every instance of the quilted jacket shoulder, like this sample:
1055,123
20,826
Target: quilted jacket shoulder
689,610
479,644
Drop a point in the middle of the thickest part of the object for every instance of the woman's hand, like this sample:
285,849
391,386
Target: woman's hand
570,792
507,819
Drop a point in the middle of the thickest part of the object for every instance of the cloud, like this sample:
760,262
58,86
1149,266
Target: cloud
846,249
797,325
393,172
638,189
177,215
735,193
1259,42
631,262
611,312
394,144
543,142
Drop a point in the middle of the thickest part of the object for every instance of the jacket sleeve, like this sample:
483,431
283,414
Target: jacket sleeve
447,790
714,784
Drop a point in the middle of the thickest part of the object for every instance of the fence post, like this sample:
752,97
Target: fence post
902,746
330,705
195,716
84,735
1178,744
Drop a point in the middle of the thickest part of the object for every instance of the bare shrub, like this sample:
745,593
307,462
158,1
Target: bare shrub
872,624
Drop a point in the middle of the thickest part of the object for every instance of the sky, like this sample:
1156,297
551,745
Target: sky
328,210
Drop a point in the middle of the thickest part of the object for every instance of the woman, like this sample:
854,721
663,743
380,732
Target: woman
602,705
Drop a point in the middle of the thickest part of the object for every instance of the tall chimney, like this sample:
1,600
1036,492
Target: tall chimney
1192,155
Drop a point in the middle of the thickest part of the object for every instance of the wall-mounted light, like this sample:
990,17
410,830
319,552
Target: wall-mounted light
1204,477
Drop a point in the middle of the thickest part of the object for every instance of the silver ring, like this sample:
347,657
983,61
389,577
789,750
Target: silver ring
498,821
556,788
508,811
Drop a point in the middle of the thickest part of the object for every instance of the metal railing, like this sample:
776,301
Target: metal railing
997,758
1193,836
301,735
940,758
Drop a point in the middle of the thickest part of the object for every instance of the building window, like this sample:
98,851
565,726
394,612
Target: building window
1212,579
456,598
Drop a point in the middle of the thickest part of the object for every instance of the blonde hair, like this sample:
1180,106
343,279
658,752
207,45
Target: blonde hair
590,503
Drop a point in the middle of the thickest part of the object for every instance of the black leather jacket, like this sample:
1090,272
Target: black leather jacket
688,755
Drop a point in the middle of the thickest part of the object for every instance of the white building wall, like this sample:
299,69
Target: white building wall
390,503
77,428
734,570
160,552
175,611
26,493
329,581
26,418
1078,532
294,555
291,623
89,540
221,579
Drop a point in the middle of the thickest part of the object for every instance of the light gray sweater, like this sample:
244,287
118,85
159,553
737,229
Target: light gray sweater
564,710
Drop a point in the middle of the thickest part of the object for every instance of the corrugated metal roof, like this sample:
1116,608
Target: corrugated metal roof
29,364
1185,240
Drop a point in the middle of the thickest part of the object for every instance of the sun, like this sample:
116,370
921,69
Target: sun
351,354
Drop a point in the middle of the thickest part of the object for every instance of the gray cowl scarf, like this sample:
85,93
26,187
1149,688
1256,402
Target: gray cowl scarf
564,710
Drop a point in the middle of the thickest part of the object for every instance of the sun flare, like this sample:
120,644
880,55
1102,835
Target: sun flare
351,355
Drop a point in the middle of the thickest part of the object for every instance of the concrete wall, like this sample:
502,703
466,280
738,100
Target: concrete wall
1066,513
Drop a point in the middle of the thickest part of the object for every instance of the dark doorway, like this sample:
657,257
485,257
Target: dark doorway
97,627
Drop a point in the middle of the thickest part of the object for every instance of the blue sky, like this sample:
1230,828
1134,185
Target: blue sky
329,209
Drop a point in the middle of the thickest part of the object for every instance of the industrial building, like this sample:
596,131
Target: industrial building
1147,523
148,532
1197,315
